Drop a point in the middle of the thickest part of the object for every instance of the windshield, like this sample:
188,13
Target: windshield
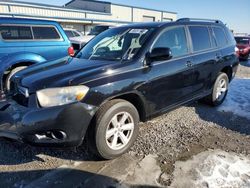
242,41
115,44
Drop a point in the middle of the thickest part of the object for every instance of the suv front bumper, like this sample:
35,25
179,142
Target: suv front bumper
56,126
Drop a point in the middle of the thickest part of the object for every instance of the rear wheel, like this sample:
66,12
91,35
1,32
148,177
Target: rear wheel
12,72
115,129
219,91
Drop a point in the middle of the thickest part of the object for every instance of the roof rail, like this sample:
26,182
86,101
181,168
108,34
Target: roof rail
198,19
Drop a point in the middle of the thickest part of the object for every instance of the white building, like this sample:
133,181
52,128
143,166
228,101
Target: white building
84,14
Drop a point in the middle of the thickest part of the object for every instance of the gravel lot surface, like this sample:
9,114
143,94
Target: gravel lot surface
177,135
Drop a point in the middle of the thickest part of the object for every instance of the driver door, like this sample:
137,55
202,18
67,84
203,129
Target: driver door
170,81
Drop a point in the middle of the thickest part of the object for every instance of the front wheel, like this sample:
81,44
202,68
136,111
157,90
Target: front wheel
115,129
219,92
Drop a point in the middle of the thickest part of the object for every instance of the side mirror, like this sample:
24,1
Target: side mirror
158,54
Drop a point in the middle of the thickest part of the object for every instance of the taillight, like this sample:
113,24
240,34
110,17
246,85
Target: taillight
71,51
237,51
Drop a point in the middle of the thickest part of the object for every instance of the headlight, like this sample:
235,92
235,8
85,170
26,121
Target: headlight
60,96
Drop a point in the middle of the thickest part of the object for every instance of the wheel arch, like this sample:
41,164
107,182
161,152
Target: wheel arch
229,71
12,67
136,100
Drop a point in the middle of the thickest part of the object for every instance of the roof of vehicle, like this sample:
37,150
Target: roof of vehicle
25,20
165,24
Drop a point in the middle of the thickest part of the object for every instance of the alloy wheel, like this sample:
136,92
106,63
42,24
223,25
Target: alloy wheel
221,89
119,131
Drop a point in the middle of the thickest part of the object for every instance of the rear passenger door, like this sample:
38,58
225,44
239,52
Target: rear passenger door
205,57
224,53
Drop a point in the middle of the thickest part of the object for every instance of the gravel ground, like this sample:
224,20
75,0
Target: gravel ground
177,135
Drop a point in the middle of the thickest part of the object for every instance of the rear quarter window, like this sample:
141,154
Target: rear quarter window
220,36
200,38
15,32
45,33
231,37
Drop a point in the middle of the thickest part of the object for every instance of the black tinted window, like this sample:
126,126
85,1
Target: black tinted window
15,32
220,36
175,39
200,38
45,33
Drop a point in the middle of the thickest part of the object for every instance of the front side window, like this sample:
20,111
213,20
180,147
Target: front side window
42,33
200,38
175,39
220,36
15,32
115,44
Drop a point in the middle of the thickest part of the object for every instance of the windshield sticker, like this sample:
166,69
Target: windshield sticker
138,31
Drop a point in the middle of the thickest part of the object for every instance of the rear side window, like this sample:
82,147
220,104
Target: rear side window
220,36
175,39
16,32
200,38
42,33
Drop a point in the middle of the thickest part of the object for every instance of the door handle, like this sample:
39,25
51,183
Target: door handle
189,64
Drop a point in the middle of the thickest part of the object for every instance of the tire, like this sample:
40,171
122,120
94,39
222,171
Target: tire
14,71
216,99
106,139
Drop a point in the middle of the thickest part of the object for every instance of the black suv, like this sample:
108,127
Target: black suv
124,75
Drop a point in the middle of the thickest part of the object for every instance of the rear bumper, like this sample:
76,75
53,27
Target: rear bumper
61,126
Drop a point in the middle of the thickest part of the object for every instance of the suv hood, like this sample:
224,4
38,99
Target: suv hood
60,73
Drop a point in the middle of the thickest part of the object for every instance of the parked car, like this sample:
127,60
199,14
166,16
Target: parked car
96,30
124,75
76,38
24,42
243,43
